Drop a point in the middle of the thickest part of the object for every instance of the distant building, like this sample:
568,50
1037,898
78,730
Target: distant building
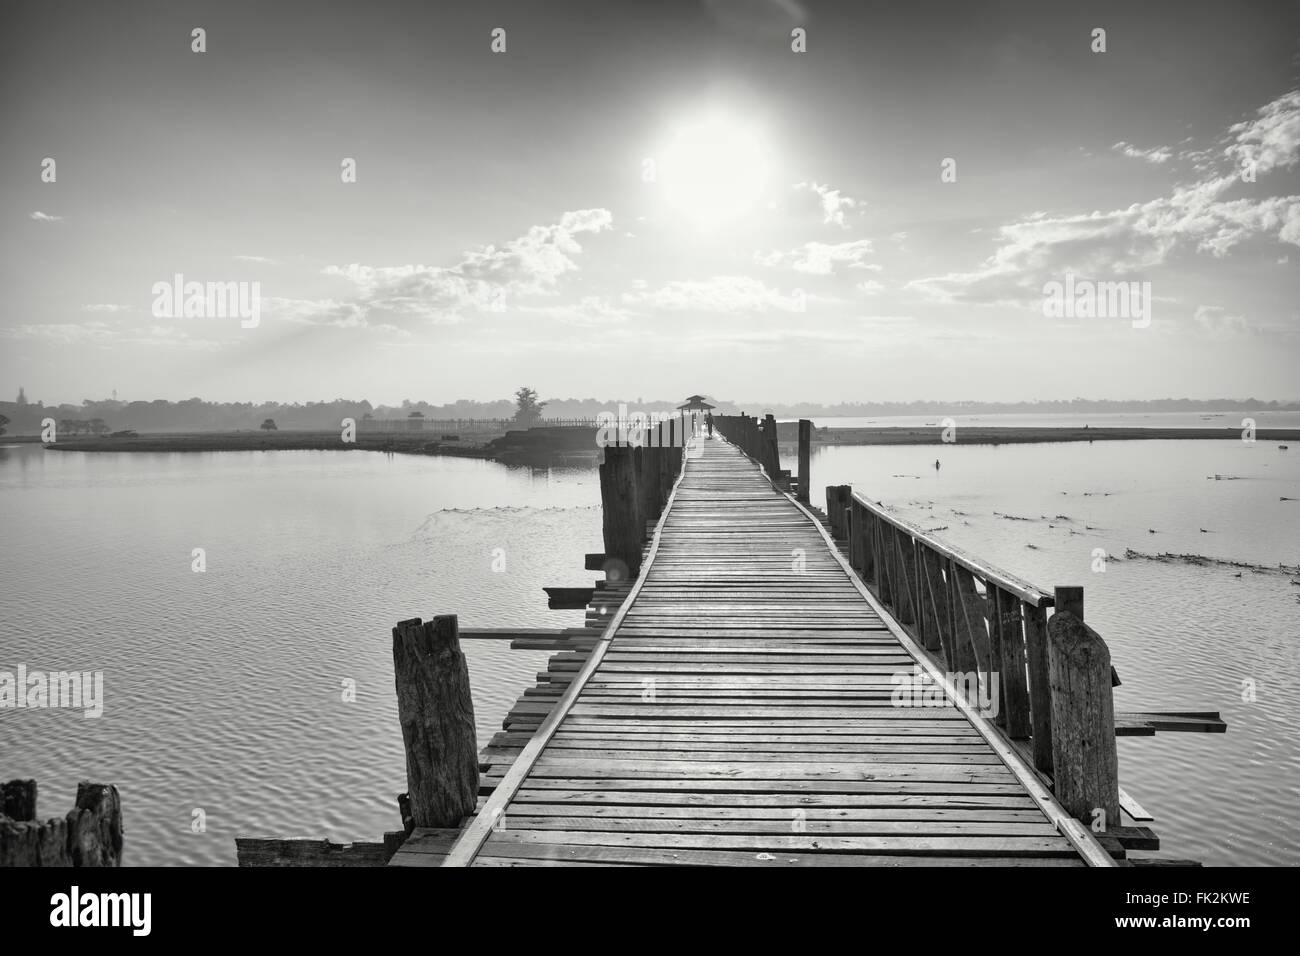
22,396
696,403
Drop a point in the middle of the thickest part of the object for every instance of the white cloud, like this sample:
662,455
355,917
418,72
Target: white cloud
1216,320
484,279
1157,154
870,287
67,333
834,203
820,258
262,259
45,217
723,294
1125,243
105,307
589,312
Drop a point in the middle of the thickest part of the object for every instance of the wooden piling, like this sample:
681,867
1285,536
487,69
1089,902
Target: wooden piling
436,712
805,459
621,522
1085,765
89,835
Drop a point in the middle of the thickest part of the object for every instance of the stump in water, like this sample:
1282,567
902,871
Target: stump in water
89,836
437,716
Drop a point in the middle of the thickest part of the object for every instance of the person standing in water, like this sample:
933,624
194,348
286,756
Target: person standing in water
936,464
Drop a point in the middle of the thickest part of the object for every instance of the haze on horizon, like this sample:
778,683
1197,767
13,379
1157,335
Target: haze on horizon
793,240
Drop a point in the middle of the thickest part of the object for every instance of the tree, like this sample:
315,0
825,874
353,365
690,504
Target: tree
528,410
3,422
22,396
269,425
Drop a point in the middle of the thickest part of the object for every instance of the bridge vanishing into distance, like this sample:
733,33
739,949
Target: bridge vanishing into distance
759,683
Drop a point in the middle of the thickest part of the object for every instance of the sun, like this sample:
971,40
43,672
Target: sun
713,169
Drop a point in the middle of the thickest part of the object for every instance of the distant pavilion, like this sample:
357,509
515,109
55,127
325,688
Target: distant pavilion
695,403
695,409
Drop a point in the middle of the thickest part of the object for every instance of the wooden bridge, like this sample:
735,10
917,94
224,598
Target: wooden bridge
762,684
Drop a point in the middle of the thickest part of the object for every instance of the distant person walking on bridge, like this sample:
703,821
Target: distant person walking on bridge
709,421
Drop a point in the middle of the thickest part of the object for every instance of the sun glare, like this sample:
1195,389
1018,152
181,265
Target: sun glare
713,169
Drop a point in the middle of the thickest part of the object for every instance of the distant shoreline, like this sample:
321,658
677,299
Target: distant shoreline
421,444
1020,435
407,444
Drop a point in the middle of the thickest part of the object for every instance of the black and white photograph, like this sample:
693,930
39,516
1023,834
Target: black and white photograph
707,435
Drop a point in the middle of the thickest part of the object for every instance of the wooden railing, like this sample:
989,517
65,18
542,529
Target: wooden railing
986,621
1051,674
757,439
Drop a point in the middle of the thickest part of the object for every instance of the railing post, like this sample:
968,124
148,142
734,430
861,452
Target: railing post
1040,690
1085,765
1011,654
805,459
836,496
771,451
436,712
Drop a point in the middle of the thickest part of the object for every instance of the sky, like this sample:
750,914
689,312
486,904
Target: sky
650,199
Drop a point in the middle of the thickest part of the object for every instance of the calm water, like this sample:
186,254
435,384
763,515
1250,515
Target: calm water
224,688
1181,637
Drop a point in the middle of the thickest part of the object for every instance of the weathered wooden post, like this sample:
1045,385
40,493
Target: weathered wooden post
621,522
1040,689
665,466
647,477
805,459
837,498
89,835
1085,764
771,451
436,712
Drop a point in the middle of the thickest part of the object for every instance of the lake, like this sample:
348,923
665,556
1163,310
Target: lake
1181,637
224,689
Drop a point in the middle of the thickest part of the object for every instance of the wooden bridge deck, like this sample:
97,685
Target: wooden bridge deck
740,714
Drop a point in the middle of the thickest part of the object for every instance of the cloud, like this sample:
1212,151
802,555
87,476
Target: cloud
45,217
342,315
64,333
820,258
485,279
870,287
589,312
834,204
1157,155
1125,243
263,259
105,307
756,17
1216,320
1272,139
720,294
